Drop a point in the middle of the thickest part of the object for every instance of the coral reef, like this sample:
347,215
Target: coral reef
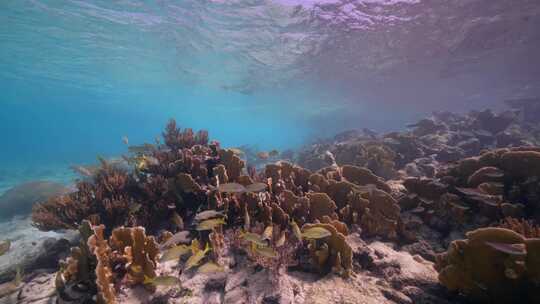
218,220
443,137
129,252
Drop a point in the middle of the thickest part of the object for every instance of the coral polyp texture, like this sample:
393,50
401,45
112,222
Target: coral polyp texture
188,221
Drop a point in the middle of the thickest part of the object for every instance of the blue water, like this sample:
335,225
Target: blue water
72,86
77,76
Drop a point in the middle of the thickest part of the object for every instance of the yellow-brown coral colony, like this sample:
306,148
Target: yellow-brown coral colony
201,201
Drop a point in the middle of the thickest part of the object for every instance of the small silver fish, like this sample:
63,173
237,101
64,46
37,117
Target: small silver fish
179,237
82,171
208,214
231,188
256,187
125,140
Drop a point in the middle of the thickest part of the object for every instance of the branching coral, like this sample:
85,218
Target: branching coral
104,276
129,252
232,163
175,138
526,228
166,181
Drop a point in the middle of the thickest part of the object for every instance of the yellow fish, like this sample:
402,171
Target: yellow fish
196,258
296,230
161,281
175,252
135,207
211,267
316,233
136,268
210,224
267,234
195,246
266,252
247,219
4,247
281,241
177,220
254,238
141,164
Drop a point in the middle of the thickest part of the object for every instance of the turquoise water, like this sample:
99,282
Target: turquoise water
77,76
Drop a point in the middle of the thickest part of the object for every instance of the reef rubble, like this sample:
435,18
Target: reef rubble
443,213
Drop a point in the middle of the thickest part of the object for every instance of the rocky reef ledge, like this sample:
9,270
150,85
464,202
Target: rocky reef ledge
188,222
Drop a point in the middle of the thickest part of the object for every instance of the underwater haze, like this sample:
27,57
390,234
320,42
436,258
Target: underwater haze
270,151
77,76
